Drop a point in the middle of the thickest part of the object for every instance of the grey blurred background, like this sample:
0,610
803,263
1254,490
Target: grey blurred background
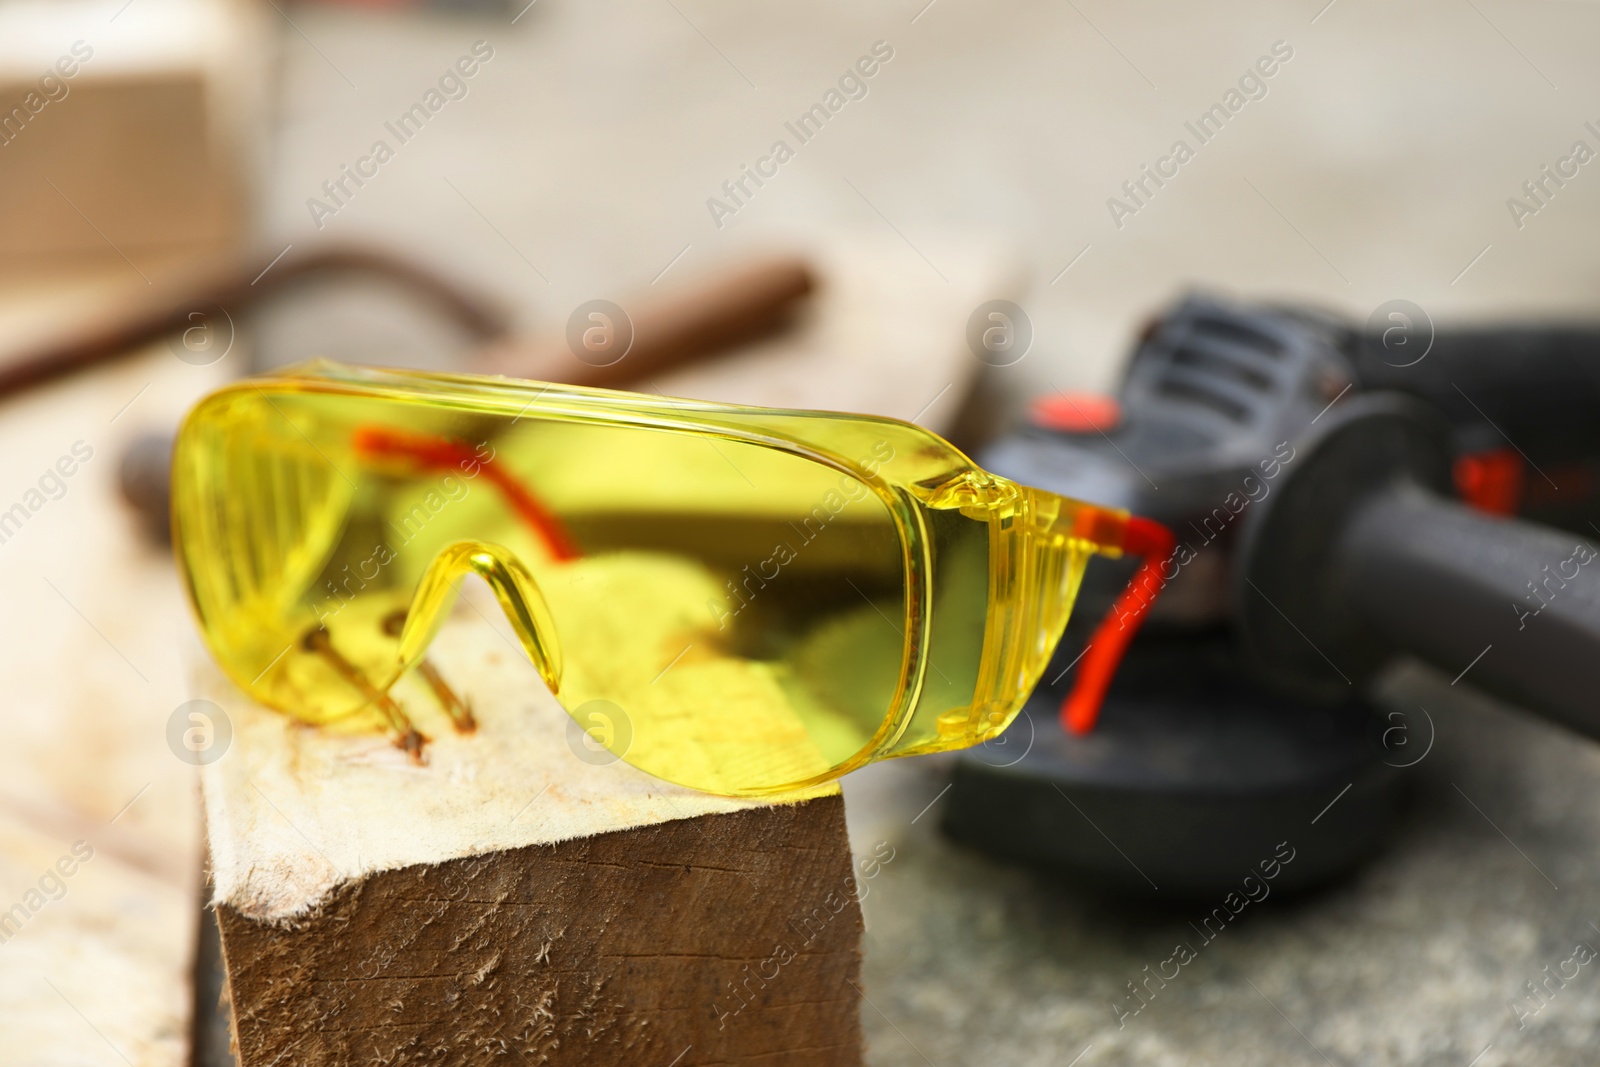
1377,166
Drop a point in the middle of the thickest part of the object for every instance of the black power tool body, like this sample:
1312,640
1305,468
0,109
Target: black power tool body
1340,496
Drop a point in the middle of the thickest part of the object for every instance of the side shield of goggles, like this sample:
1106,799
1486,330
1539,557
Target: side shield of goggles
754,599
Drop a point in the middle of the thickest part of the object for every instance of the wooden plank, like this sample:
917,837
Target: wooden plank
520,894
93,643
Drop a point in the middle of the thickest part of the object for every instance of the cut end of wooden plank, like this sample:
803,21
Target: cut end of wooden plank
516,898
295,811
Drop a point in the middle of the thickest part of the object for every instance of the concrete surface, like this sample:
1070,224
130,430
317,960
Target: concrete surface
1491,876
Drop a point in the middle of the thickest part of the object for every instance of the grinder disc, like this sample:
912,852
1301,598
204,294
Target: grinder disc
1191,778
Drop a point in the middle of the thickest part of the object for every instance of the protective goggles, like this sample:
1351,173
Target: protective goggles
739,600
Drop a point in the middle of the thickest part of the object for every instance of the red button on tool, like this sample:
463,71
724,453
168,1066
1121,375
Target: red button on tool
1491,481
1075,412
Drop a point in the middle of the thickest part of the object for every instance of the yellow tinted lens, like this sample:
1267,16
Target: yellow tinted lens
721,614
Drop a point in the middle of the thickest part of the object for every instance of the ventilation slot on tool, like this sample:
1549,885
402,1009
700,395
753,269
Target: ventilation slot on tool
1192,390
1235,333
1225,366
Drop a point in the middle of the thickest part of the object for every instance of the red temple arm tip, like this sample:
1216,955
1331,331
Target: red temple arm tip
1154,543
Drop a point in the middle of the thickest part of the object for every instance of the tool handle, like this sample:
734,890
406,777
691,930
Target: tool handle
1507,606
1525,379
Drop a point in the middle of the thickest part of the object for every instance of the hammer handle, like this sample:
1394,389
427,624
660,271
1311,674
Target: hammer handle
733,307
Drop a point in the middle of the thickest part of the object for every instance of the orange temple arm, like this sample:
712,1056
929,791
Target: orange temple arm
445,453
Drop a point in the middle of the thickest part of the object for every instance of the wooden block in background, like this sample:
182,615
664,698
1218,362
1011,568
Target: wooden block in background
124,139
879,337
151,132
512,899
